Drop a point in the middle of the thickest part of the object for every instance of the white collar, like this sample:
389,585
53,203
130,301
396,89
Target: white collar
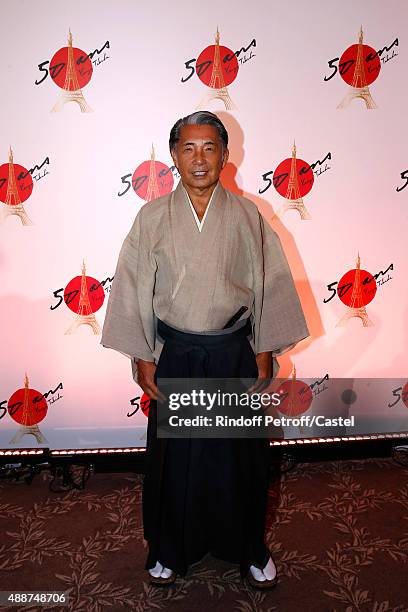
200,224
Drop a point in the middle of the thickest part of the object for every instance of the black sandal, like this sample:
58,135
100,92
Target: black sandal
261,584
159,581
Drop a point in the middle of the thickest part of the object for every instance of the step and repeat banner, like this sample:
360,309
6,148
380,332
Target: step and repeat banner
314,97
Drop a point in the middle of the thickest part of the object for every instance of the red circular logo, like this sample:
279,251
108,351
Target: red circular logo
94,296
30,411
228,64
158,185
23,181
371,66
145,404
296,397
82,67
405,394
366,288
304,178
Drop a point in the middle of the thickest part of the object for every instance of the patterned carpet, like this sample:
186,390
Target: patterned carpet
338,532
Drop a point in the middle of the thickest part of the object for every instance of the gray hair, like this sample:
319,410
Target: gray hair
198,118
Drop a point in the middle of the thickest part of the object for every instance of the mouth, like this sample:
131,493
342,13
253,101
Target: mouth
200,173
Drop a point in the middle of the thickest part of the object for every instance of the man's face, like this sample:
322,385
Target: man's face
199,156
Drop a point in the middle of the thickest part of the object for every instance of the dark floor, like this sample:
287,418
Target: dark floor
338,532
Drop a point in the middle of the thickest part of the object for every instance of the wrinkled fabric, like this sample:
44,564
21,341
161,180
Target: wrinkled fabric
169,270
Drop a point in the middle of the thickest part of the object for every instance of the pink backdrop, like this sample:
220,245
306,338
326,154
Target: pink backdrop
136,93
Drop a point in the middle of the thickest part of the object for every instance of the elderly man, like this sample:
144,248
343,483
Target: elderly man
203,289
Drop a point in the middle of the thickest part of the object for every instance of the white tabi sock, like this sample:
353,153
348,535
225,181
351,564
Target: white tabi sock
156,570
257,573
160,570
166,572
268,572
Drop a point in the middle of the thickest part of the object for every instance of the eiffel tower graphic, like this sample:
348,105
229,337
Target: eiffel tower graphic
13,205
359,87
71,91
293,198
84,315
152,186
294,399
357,307
217,87
291,404
25,429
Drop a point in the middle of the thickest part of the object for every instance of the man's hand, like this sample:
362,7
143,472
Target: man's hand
264,363
145,379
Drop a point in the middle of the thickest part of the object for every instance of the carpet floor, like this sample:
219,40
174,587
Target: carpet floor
338,532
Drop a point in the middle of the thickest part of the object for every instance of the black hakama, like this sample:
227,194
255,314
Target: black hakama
205,495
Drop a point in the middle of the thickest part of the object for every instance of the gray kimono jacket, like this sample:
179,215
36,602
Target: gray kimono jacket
196,281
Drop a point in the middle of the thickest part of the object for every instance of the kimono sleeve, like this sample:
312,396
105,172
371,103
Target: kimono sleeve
282,322
129,325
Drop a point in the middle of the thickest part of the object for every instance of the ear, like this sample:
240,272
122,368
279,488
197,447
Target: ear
173,154
225,157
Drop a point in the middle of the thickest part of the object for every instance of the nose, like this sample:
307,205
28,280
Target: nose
198,156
